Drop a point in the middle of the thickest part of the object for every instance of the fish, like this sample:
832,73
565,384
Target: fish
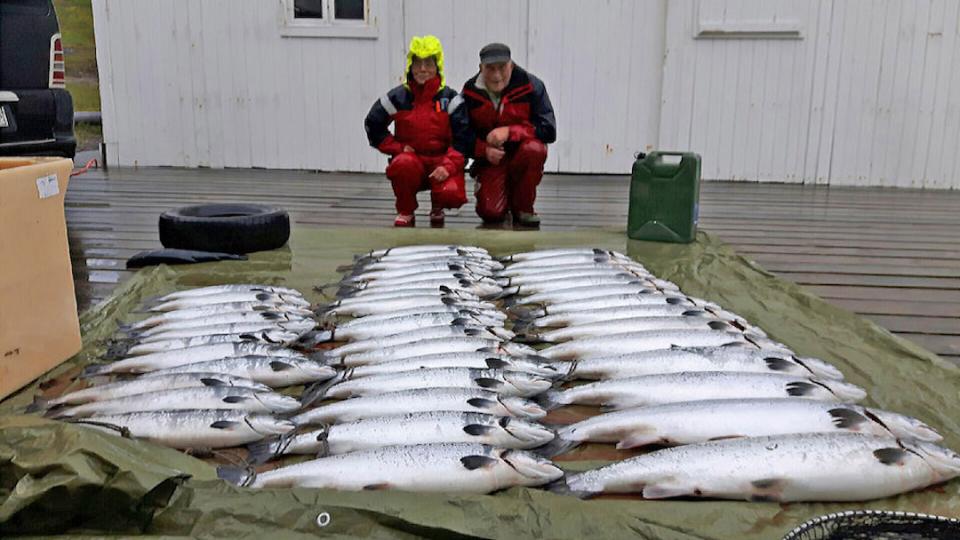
564,273
643,291
263,338
633,298
416,277
732,359
406,429
421,400
204,397
640,324
823,467
479,360
299,327
451,267
249,317
222,289
648,390
227,298
452,331
420,258
191,429
433,346
508,383
577,266
541,289
373,265
482,288
424,248
366,295
648,340
272,371
362,328
577,318
701,421
447,468
168,381
178,357
491,313
375,307
216,309
561,252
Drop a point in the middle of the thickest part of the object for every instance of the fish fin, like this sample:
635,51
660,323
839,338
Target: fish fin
677,300
224,424
377,487
481,403
571,370
39,404
472,331
496,363
666,491
636,440
477,430
556,447
720,325
488,350
801,388
779,364
446,299
212,381
279,365
890,456
94,370
317,390
235,475
694,313
461,321
235,399
767,489
488,383
845,418
551,399
476,462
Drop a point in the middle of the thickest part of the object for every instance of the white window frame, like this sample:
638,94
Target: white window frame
328,26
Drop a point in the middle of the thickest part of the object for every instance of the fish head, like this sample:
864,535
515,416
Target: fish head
266,424
278,403
527,384
903,426
317,371
537,469
819,368
845,391
525,431
523,408
944,461
299,326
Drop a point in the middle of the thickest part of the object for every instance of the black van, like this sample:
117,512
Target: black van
36,111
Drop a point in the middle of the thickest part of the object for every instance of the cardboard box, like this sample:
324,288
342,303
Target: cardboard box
39,328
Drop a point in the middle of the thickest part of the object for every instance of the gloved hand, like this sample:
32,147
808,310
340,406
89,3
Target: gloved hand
498,136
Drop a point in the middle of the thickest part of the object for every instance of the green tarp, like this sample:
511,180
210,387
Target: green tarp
58,478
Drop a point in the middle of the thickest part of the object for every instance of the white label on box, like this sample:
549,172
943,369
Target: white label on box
47,186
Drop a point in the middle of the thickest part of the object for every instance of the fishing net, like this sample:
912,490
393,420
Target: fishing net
877,525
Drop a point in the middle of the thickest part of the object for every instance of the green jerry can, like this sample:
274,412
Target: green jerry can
664,197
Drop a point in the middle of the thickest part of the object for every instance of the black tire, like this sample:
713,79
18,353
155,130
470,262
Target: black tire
226,228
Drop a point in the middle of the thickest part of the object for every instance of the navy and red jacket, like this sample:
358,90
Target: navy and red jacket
524,106
422,119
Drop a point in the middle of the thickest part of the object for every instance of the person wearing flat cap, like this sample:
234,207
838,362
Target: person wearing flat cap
422,148
511,122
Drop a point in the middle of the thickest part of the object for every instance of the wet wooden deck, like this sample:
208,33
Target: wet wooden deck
890,255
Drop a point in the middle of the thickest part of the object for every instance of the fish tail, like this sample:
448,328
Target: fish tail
346,291
551,399
347,268
315,337
556,447
571,371
39,404
318,390
518,312
524,335
94,370
118,348
505,292
561,486
237,476
263,451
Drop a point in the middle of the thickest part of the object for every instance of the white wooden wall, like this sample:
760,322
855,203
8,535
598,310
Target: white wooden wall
870,94
212,83
860,92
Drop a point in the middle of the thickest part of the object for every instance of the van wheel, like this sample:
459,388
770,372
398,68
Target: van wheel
227,228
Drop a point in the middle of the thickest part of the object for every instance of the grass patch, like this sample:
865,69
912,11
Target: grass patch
76,27
89,136
86,94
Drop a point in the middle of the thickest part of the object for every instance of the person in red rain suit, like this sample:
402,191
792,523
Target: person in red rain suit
421,147
511,123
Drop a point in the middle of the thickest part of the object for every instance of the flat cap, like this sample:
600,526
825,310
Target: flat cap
494,53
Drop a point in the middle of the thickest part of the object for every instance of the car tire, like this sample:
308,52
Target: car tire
226,228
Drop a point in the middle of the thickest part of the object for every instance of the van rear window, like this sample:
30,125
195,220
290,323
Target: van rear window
26,7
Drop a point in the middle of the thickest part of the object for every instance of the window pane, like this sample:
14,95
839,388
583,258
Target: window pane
308,9
348,9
